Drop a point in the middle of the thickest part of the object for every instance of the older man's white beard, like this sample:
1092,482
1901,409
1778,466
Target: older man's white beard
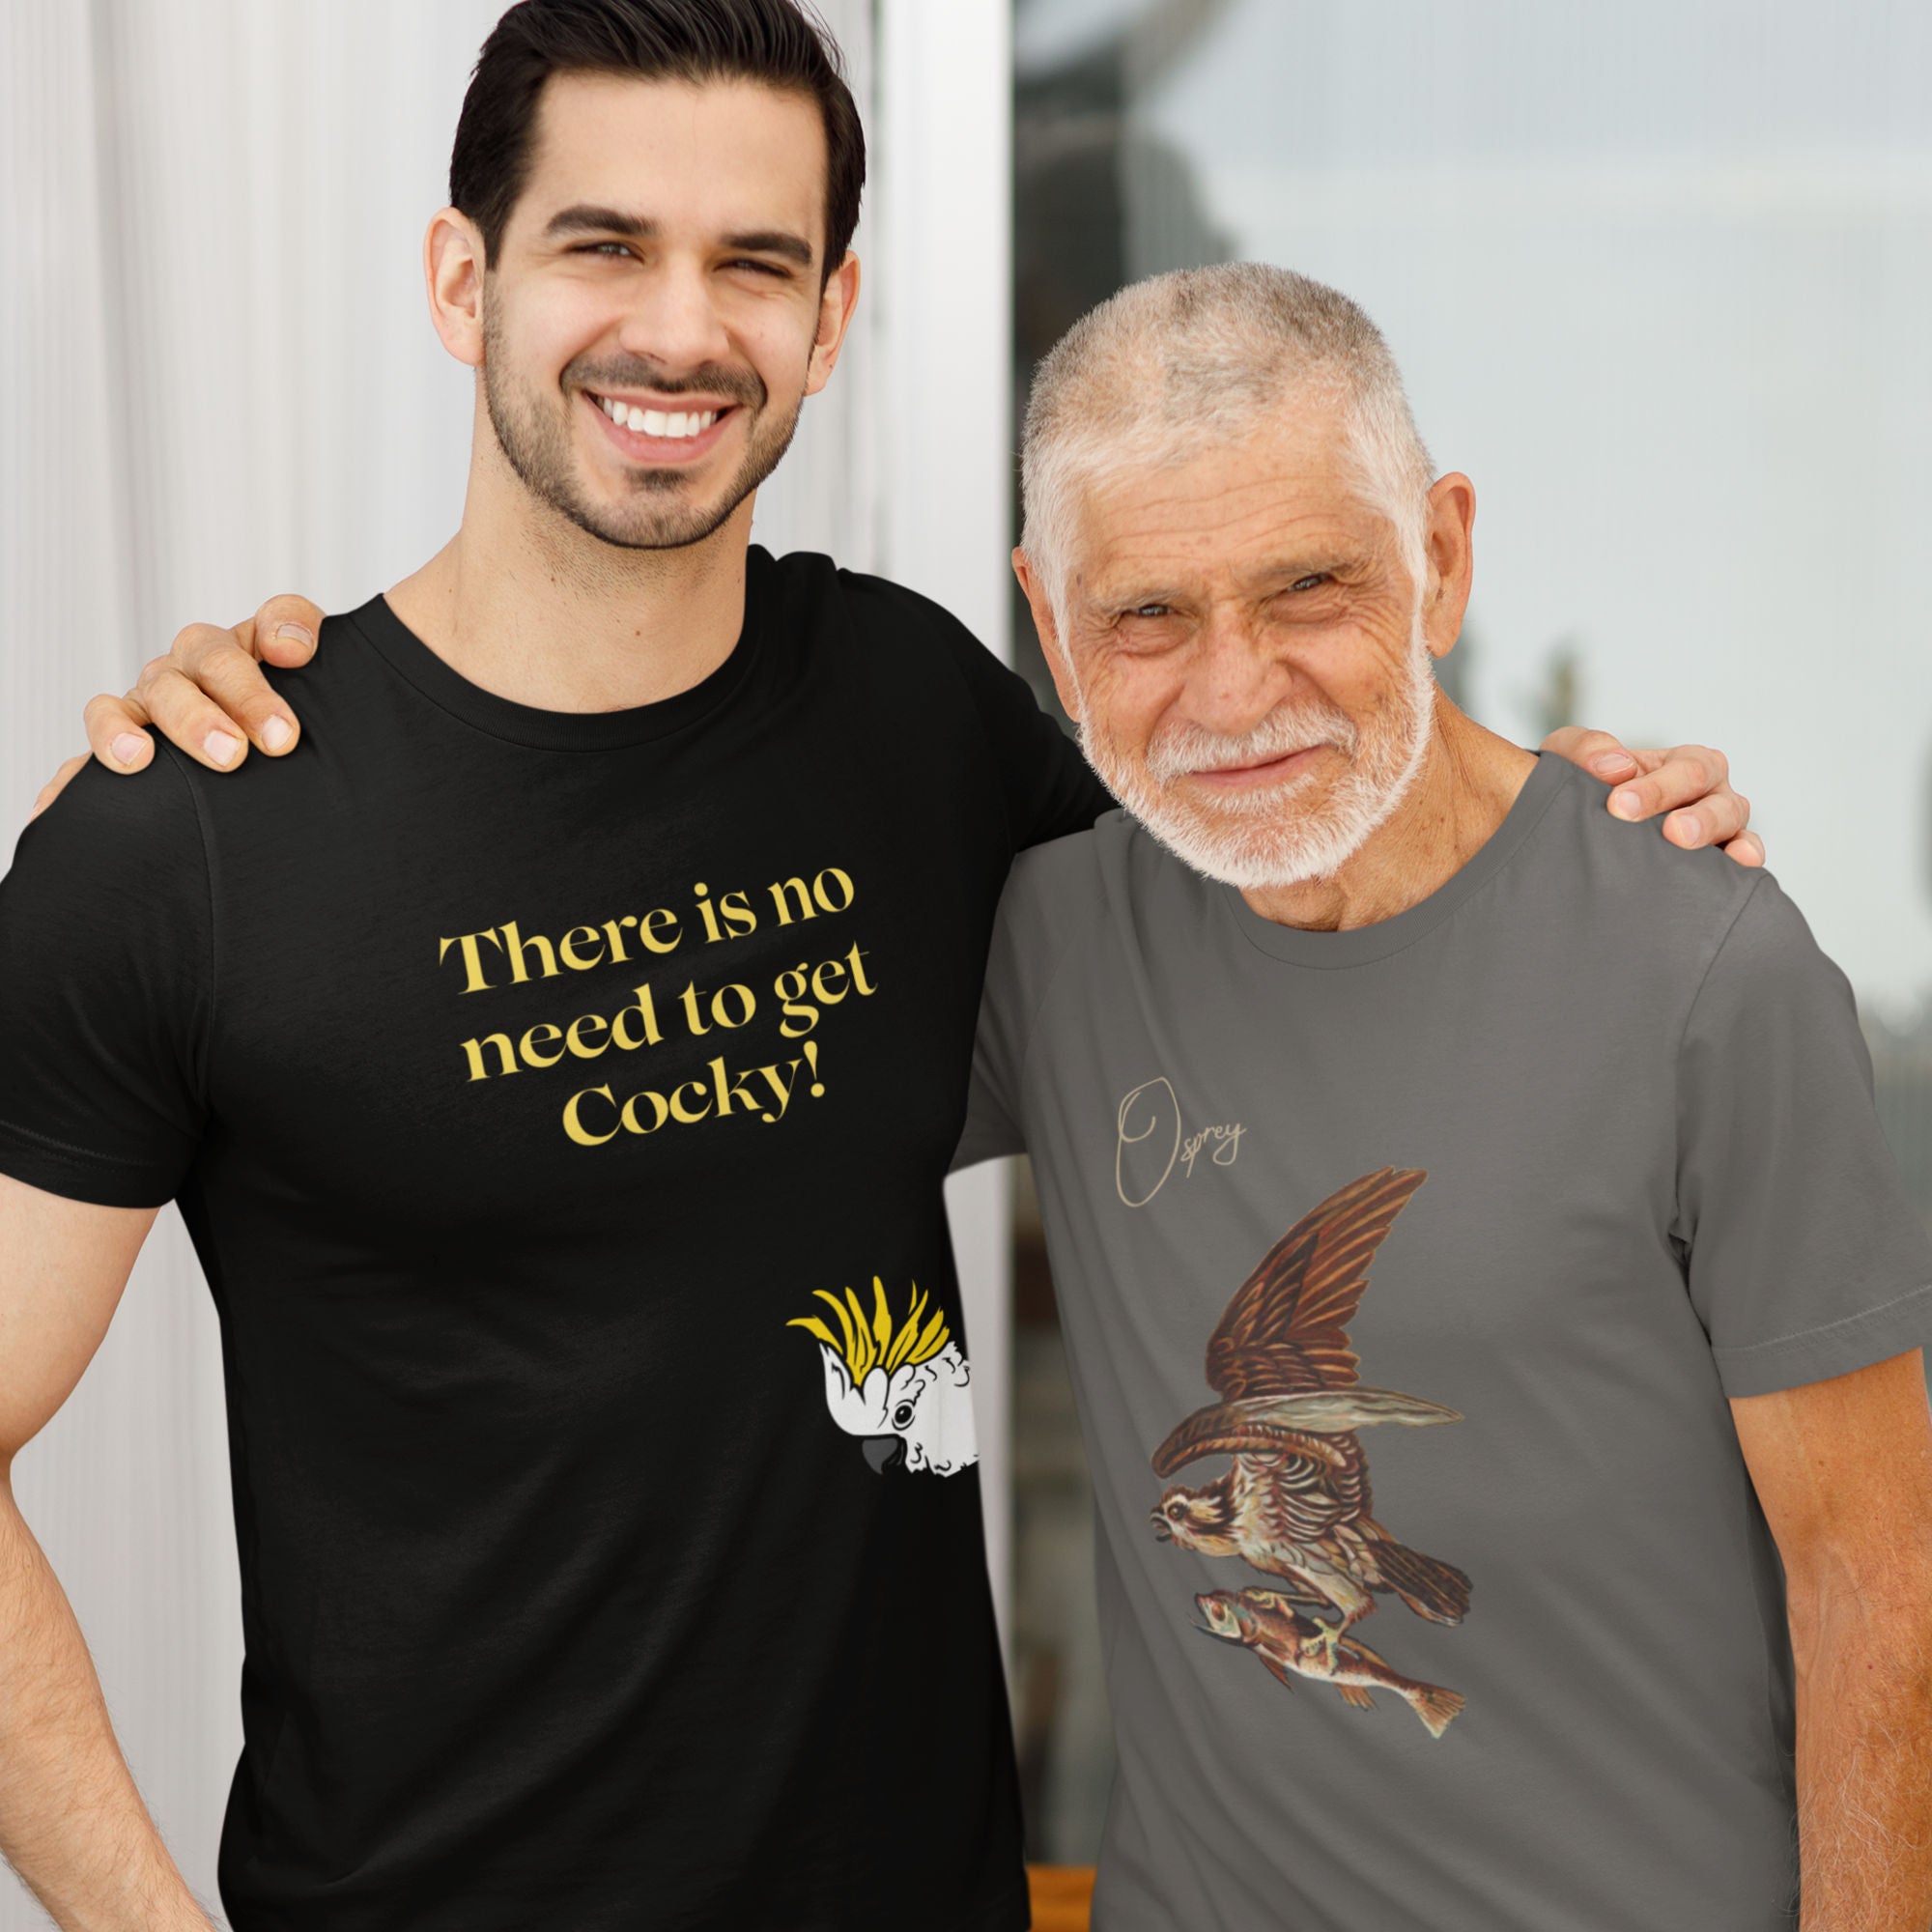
1267,837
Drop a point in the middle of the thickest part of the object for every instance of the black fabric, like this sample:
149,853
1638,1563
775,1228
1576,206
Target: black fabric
566,1598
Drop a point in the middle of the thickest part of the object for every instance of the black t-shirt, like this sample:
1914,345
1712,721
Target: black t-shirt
560,1105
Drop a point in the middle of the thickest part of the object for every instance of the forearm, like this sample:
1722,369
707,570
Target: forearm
72,1823
1864,1766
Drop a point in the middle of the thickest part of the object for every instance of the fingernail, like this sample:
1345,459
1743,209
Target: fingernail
1610,763
276,733
220,747
1625,804
1688,829
297,631
128,746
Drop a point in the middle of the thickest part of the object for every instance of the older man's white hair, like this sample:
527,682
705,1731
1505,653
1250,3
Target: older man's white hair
1199,354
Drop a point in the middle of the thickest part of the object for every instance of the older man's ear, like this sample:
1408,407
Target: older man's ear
1049,626
1449,540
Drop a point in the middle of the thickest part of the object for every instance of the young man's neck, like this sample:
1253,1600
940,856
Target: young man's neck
526,605
1469,781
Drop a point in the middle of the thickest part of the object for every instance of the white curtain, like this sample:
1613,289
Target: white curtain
216,380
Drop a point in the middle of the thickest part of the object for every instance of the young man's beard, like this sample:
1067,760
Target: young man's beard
1269,839
537,439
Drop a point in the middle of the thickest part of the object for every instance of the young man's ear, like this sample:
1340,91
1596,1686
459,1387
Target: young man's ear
1048,626
453,269
835,304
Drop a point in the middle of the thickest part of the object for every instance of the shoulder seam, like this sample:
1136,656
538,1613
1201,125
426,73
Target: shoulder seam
1684,1033
211,990
1717,953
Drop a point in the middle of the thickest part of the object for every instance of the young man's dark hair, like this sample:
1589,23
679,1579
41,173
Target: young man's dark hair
775,42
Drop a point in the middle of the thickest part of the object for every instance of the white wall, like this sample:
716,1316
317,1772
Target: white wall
217,381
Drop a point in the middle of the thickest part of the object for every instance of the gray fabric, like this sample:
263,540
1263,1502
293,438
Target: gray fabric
1654,1180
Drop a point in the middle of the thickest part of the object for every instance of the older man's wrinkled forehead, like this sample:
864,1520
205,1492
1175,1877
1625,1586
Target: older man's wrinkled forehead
1277,489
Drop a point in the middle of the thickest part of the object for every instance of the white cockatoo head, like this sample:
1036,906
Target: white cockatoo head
901,1387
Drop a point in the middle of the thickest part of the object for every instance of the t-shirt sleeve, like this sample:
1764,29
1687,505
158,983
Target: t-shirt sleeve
1048,787
1805,1257
106,990
1041,910
999,1051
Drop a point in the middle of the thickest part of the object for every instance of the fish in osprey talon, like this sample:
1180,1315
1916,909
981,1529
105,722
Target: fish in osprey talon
1268,1623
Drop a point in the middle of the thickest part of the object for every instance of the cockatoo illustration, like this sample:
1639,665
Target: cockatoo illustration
900,1385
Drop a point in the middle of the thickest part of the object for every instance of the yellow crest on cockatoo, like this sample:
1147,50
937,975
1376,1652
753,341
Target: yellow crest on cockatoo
881,1342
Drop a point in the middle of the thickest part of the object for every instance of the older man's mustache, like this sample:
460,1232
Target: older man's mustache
1181,751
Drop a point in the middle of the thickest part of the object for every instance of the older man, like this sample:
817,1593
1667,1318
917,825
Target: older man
1395,1111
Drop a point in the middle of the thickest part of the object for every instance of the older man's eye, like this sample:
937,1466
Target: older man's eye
1312,581
1150,610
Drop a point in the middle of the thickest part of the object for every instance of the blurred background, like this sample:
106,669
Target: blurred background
1657,275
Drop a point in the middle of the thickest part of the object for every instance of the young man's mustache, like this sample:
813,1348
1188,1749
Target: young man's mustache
738,386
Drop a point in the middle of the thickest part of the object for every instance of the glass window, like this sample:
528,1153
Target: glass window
1657,275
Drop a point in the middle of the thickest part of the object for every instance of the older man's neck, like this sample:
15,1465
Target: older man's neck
1469,781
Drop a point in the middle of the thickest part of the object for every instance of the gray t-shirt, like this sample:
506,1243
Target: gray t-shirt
1564,1155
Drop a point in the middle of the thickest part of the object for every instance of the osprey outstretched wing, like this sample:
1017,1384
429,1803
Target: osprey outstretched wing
1284,1341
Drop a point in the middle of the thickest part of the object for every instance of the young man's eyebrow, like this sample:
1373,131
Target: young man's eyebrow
585,220
773,241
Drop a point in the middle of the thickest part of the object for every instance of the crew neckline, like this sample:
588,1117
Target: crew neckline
1362,943
544,731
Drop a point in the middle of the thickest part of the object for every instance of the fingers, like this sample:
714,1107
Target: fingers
1598,752
284,631
229,698
57,784
1690,783
1684,777
117,732
182,712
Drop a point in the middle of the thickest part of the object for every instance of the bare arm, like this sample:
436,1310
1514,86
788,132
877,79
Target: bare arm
1843,1469
72,1823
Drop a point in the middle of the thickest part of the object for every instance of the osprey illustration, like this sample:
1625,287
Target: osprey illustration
1295,1501
900,1384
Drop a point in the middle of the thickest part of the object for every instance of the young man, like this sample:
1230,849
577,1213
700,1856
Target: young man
558,1065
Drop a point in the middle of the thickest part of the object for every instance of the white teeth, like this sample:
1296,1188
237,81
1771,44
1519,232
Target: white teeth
677,424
